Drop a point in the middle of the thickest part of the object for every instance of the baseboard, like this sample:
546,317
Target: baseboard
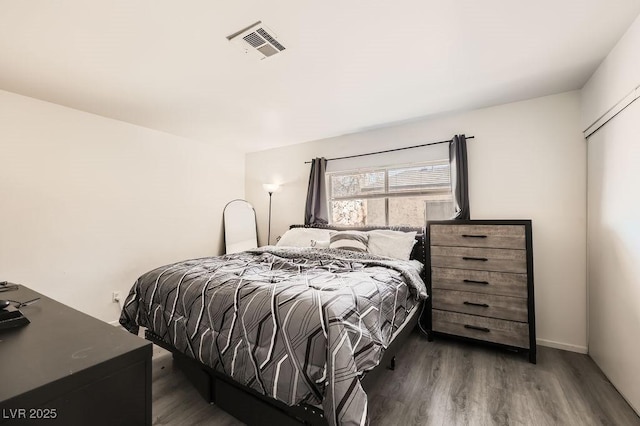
563,346
627,400
115,323
633,407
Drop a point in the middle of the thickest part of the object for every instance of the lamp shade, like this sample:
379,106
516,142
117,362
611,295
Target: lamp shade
270,187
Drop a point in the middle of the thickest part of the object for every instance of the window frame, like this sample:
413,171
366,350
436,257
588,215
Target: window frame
386,195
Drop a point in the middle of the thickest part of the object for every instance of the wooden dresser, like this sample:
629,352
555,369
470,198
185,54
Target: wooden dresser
481,282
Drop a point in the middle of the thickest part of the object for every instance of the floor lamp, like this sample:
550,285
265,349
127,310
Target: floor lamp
270,188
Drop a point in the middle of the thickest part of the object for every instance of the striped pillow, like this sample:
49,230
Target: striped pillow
349,240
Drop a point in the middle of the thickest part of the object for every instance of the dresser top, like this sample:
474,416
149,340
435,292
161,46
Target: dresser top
526,222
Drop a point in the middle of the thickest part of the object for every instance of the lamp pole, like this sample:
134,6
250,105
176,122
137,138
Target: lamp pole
270,188
269,231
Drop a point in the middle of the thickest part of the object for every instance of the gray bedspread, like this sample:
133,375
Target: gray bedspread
298,325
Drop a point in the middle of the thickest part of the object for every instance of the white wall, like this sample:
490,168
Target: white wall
614,224
88,204
527,161
616,76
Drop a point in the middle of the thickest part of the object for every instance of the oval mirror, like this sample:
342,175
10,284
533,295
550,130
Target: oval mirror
239,226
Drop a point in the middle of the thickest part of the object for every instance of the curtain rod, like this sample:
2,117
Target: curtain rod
389,150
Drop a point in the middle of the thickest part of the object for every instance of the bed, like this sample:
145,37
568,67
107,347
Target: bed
293,333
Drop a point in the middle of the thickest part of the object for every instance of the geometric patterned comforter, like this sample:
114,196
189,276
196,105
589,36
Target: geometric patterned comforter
298,325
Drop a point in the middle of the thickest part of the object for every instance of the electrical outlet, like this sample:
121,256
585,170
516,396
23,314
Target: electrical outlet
115,297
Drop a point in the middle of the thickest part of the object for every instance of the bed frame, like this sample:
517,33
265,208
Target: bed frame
252,407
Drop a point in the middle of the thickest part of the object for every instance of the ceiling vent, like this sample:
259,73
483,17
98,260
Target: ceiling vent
257,39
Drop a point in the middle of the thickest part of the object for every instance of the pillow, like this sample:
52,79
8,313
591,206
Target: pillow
349,240
302,237
395,244
320,243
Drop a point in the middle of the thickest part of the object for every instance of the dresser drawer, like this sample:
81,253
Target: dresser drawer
482,259
505,284
482,328
486,305
492,236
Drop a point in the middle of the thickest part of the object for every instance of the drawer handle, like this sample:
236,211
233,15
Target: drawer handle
481,259
482,305
473,236
476,282
473,327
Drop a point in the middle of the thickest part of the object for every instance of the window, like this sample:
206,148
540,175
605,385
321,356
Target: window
398,195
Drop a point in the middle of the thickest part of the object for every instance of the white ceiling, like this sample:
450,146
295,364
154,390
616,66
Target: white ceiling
348,66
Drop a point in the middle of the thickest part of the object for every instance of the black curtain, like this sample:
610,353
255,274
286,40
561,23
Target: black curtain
459,177
316,211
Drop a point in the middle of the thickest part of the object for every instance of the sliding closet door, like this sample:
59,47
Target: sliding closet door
614,250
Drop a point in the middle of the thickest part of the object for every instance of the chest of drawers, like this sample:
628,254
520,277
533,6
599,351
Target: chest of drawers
481,282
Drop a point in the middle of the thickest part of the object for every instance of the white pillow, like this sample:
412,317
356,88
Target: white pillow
396,244
302,237
320,243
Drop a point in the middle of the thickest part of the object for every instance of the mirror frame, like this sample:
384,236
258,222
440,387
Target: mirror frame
229,248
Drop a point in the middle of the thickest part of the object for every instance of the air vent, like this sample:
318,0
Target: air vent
257,39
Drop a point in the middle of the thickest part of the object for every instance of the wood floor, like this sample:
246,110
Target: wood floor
446,382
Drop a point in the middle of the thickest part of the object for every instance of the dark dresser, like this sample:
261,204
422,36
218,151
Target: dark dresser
68,368
481,282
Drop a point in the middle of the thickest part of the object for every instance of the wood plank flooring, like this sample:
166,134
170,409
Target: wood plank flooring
446,382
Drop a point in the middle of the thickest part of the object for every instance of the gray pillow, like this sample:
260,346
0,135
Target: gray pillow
349,240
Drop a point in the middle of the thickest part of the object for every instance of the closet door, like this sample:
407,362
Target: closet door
614,250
